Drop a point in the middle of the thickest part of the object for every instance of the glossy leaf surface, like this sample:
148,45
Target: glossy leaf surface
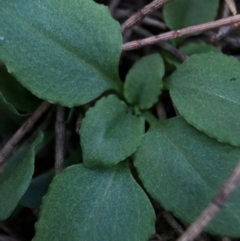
57,51
95,205
183,169
144,81
205,90
16,177
109,132
184,13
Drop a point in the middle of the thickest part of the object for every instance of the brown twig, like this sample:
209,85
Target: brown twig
27,125
164,45
173,222
60,140
179,33
137,17
161,112
113,4
214,207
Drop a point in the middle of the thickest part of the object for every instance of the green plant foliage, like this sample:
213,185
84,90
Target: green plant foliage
144,81
16,177
57,51
95,205
198,48
205,89
184,13
191,49
32,198
10,119
109,132
15,94
183,169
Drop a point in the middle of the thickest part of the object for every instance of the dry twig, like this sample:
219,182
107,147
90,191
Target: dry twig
60,140
179,33
113,4
164,45
27,125
214,207
137,17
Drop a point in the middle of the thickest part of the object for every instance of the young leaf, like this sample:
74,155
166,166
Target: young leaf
205,89
16,177
64,52
95,205
15,94
184,13
183,169
109,133
144,81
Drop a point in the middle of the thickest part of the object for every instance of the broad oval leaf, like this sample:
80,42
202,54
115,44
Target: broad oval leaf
205,89
183,169
65,53
95,205
16,177
144,81
109,133
183,13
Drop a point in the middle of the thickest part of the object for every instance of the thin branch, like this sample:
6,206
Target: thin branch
214,207
179,33
173,222
164,45
27,125
113,4
161,112
232,6
60,140
137,17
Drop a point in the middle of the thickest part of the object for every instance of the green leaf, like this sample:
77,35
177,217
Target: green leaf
109,133
190,49
184,13
16,177
144,81
205,89
32,198
65,53
10,119
15,94
198,48
183,169
95,205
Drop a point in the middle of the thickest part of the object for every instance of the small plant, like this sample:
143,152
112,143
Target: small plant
67,53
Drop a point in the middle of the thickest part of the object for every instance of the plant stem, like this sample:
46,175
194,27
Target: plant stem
137,17
27,125
179,33
214,207
60,140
